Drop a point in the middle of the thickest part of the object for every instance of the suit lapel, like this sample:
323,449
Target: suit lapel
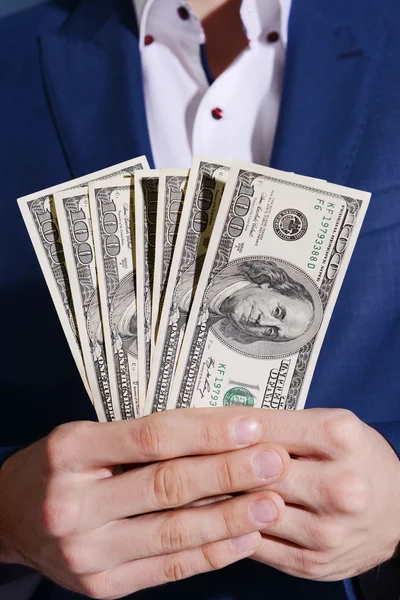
93,82
332,59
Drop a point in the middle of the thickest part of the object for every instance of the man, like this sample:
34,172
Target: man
321,502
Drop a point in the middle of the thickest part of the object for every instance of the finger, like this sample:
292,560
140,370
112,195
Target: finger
305,529
173,531
294,560
140,574
313,433
308,484
157,437
300,432
171,484
316,433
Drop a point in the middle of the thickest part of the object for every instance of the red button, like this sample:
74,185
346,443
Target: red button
148,40
273,36
183,13
217,113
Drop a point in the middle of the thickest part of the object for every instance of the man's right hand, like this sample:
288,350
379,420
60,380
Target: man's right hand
64,512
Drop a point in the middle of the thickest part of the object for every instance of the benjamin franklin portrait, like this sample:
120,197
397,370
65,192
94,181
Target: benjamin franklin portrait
122,317
265,304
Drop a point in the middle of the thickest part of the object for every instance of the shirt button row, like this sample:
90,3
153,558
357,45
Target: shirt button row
272,37
184,14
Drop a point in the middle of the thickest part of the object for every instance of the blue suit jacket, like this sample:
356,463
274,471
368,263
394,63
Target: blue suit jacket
71,102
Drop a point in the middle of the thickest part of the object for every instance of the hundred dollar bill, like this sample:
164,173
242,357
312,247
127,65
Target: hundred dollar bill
113,222
73,213
171,193
41,222
277,258
146,194
205,187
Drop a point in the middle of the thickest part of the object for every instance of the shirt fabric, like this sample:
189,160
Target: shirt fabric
180,99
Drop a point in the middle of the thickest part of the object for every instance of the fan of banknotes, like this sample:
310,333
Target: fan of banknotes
206,287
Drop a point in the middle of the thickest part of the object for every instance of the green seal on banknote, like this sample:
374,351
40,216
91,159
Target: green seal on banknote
239,396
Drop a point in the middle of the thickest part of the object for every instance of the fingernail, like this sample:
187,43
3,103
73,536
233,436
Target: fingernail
268,464
244,544
263,511
245,431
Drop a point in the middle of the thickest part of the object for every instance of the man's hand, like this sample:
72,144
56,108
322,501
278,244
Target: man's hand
342,495
63,512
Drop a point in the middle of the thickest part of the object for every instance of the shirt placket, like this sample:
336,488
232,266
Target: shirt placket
226,107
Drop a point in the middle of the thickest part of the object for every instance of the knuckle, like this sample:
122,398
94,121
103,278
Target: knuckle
173,535
211,435
328,536
150,439
225,475
168,485
59,518
342,429
231,522
50,513
350,494
73,558
175,568
312,565
213,560
106,586
63,443
57,446
94,587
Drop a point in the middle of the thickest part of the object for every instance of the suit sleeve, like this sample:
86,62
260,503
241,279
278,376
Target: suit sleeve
387,585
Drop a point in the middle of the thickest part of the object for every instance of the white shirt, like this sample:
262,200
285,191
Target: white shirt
180,100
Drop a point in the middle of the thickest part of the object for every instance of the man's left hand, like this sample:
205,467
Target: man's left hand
342,496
